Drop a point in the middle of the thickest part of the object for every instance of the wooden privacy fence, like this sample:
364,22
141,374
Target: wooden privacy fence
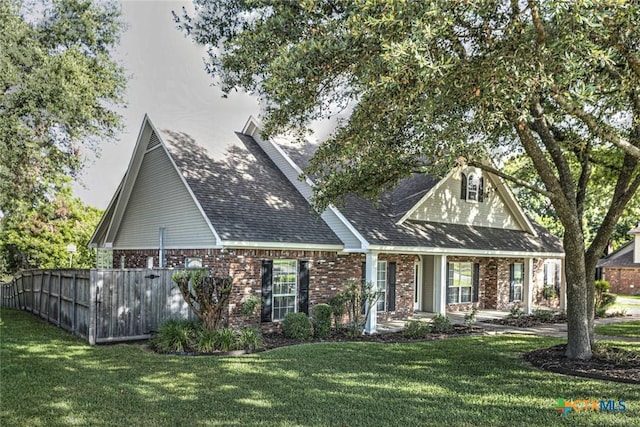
100,305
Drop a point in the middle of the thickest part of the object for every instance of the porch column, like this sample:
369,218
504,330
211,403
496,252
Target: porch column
527,286
371,276
563,285
440,284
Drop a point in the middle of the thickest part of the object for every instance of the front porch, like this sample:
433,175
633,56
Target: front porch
452,284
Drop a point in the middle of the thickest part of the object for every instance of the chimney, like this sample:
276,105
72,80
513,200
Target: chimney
636,244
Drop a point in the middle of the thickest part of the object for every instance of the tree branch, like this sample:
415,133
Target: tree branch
537,22
517,181
596,127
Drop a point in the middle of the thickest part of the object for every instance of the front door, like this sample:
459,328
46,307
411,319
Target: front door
417,285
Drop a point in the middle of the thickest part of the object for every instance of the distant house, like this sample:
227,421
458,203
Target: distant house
621,268
235,203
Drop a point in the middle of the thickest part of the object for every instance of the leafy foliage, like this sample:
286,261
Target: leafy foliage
207,296
37,236
416,329
441,324
297,326
59,86
175,336
179,336
321,318
358,300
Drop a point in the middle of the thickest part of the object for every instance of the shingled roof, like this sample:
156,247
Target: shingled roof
378,222
243,193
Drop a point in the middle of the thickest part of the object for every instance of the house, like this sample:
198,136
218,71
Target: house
234,202
621,268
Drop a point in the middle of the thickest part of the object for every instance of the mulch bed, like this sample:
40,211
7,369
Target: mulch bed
276,339
553,359
529,321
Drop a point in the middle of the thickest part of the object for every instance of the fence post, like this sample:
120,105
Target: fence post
59,299
74,284
93,283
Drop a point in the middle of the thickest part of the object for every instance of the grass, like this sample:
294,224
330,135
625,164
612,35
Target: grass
48,378
629,329
620,306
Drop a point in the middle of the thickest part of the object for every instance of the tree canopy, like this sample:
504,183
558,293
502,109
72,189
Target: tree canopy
430,85
59,89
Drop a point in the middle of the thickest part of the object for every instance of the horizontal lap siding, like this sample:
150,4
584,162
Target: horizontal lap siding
445,205
160,199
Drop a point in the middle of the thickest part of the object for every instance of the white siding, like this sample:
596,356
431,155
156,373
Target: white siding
445,205
160,199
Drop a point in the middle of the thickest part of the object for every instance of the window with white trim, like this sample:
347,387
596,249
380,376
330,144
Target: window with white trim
285,280
459,282
381,284
517,281
473,184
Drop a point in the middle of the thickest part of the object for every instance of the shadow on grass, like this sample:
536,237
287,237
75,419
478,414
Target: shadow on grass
51,378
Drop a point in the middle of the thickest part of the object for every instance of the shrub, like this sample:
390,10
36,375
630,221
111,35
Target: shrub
249,305
515,312
225,339
543,315
471,316
606,300
416,329
321,320
549,292
603,299
250,339
205,341
297,326
175,335
440,324
337,309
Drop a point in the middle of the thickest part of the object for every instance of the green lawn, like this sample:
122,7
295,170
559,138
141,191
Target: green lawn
621,329
49,378
621,306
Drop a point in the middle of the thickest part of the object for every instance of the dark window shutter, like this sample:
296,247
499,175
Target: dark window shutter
511,281
267,280
363,281
476,282
463,187
391,286
557,279
303,294
448,282
481,190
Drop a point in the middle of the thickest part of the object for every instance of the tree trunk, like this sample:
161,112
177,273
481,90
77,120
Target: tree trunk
578,335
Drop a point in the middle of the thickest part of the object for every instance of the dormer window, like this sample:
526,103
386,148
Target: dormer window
472,188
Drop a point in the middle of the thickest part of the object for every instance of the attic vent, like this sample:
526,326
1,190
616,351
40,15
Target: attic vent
153,141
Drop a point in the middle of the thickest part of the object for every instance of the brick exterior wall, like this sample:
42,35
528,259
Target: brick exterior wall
327,273
625,281
494,284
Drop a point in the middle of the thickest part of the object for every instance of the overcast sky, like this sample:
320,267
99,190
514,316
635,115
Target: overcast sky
167,80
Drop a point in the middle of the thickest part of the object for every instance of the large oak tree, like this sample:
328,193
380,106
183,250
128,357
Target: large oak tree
429,85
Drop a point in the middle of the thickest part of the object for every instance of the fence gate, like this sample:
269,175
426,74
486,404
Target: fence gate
131,304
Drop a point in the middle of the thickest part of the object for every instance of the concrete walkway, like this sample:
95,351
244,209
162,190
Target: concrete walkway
558,330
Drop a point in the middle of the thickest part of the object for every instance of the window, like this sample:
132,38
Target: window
472,187
381,284
192,262
104,258
516,279
459,282
284,288
551,272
